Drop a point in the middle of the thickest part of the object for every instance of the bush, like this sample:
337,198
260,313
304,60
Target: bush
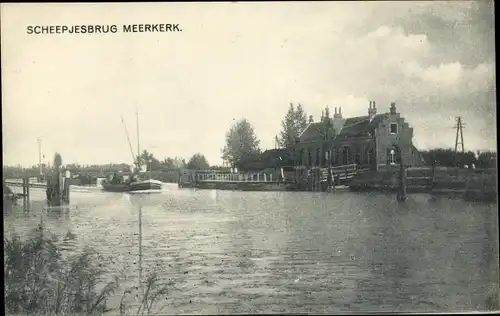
39,280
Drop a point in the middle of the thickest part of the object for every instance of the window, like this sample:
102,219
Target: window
394,128
346,159
393,155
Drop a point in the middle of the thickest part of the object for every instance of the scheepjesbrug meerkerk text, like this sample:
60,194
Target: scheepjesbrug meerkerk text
102,29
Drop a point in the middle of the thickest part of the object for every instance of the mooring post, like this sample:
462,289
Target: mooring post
60,188
55,189
318,179
468,180
331,184
67,183
402,196
26,194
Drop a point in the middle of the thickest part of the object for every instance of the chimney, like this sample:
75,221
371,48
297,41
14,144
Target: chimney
327,113
322,115
311,119
393,108
372,110
340,112
337,115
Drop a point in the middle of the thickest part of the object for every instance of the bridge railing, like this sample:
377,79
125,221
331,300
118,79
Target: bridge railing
234,177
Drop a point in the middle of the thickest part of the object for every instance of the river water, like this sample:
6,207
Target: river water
289,252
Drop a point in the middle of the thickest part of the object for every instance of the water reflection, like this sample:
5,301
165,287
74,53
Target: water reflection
247,252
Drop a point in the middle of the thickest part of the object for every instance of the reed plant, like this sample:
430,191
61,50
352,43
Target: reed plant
39,280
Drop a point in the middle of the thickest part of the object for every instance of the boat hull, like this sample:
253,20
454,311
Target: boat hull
146,185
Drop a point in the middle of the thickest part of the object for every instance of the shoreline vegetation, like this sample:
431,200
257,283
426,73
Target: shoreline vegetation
241,150
40,279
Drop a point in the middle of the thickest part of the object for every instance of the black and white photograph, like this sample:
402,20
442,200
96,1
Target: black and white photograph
293,157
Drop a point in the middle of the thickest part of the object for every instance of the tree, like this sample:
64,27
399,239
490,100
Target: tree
57,161
294,123
168,163
173,163
486,159
148,159
198,162
241,141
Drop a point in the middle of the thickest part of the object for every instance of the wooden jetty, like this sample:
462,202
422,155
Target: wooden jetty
57,189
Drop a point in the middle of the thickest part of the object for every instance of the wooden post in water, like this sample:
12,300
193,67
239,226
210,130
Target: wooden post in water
468,181
309,179
58,187
318,179
26,194
433,174
402,196
66,188
331,184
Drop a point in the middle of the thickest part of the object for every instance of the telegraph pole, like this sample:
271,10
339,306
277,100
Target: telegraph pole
459,139
459,127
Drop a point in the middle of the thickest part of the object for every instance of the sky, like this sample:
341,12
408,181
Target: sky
436,60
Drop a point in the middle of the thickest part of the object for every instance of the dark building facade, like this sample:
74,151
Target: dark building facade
372,141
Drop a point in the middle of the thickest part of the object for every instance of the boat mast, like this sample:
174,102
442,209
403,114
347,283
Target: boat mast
138,146
128,138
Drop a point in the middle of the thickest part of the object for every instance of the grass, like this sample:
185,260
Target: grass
40,280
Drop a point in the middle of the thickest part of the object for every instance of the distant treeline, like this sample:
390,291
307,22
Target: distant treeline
87,174
448,157
167,170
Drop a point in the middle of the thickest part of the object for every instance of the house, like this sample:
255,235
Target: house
373,140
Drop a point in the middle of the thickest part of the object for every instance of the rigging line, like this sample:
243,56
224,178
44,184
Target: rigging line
128,139
138,141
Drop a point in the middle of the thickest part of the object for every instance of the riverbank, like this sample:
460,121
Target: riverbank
474,185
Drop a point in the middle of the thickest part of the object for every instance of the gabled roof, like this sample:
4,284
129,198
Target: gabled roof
317,130
312,131
361,125
350,127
